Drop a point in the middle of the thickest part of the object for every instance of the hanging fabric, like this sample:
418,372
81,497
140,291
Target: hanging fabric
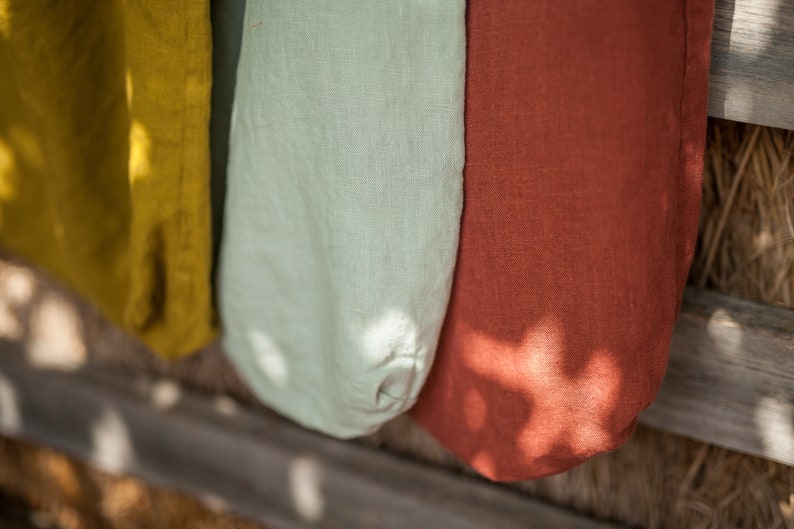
104,157
585,131
343,204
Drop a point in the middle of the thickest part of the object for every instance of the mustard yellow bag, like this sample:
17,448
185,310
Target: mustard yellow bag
104,157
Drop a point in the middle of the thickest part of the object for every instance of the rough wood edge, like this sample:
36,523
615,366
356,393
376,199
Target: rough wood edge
730,380
248,461
730,383
752,62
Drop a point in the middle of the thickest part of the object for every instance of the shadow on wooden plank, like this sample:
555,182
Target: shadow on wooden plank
249,462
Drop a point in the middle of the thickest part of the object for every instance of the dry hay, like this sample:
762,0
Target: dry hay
747,225
64,494
656,480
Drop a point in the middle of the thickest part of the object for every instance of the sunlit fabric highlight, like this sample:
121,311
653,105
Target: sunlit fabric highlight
343,204
585,132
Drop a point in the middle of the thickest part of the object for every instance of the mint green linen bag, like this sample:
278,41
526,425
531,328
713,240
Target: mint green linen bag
343,204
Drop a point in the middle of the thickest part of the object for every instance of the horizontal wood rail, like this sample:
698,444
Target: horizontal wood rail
730,383
248,461
752,62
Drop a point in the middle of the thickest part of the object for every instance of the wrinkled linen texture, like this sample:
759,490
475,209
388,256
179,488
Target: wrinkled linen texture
585,132
343,204
104,157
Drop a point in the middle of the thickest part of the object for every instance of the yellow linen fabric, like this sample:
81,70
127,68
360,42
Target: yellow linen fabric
104,157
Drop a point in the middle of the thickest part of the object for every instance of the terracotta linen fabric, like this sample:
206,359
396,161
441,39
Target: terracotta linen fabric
104,157
585,130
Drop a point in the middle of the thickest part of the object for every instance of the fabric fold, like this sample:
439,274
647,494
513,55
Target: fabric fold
585,132
104,157
343,204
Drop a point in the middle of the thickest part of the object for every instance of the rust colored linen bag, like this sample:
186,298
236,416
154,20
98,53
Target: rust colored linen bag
585,130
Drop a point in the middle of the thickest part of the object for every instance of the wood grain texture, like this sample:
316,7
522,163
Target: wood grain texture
247,461
752,62
730,381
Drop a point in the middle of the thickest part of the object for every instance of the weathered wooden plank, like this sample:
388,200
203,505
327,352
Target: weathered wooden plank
730,381
247,461
752,62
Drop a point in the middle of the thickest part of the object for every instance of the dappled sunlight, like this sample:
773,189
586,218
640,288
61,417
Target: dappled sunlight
391,351
5,18
226,405
10,326
10,416
27,148
122,497
55,339
736,96
774,422
721,318
305,481
140,164
541,362
165,394
763,240
761,23
112,445
750,46
787,509
129,87
20,158
540,411
17,287
7,167
269,358
214,502
391,335
16,284
580,406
